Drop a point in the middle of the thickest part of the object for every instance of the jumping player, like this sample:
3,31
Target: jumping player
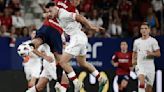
70,22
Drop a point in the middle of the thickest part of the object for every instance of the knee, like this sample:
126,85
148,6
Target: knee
83,64
31,84
39,88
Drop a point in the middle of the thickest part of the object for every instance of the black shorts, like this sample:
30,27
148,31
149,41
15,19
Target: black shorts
122,77
52,37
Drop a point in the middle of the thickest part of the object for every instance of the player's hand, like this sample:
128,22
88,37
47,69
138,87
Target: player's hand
94,28
115,64
150,54
48,58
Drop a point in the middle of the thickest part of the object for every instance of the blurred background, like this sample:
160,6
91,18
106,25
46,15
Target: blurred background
120,18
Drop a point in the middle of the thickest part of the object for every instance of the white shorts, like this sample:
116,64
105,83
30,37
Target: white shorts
149,74
49,70
77,45
32,68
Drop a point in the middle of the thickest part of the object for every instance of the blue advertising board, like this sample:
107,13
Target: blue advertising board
100,51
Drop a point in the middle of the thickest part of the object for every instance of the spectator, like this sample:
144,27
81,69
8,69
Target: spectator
12,36
144,6
7,19
25,32
15,4
115,26
135,10
95,18
152,21
3,31
125,8
2,5
102,34
157,6
86,6
17,20
13,32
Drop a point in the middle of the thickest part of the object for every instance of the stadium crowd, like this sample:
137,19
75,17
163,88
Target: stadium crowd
120,18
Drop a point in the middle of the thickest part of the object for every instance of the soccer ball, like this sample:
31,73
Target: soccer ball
24,50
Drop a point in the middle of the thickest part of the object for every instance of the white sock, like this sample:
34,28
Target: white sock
95,73
62,89
32,89
72,76
141,89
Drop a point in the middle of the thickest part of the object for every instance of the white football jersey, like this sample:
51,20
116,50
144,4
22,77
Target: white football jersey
46,49
68,22
141,47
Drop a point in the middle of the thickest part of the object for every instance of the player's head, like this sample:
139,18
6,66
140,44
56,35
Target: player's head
145,29
124,46
51,10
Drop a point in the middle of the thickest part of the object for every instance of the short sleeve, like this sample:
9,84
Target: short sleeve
64,14
135,46
114,58
155,45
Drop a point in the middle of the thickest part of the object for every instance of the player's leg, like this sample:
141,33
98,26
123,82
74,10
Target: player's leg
37,42
149,88
64,83
54,40
150,81
32,82
83,63
68,68
115,84
39,86
141,83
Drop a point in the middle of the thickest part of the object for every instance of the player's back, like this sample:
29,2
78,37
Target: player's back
68,22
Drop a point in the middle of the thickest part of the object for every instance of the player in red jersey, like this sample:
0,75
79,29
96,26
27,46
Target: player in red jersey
122,60
50,33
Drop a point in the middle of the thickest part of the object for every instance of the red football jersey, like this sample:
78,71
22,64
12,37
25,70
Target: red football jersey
124,62
66,5
54,24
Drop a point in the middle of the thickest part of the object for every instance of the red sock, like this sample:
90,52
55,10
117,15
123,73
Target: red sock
98,76
142,86
65,85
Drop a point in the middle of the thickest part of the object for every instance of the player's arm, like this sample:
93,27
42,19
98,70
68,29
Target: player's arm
43,55
134,58
85,22
156,50
156,53
114,61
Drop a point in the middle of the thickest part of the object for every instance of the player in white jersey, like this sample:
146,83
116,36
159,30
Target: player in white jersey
49,69
70,22
145,49
32,67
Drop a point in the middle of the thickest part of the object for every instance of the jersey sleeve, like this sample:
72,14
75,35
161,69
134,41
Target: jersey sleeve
44,48
155,45
114,58
64,14
135,46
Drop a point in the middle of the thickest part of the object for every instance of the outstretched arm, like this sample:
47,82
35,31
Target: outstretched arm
85,22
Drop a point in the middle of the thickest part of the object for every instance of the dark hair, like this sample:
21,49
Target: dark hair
145,23
50,4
